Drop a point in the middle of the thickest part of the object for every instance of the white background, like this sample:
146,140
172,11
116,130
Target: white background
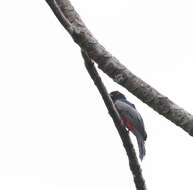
55,132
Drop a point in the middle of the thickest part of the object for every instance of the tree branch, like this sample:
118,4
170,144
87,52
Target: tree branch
133,162
70,19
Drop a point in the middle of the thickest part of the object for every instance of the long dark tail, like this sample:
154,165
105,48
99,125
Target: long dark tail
141,145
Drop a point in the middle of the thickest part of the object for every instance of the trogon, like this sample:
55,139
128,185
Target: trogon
131,118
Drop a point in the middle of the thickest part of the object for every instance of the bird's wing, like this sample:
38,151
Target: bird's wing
133,116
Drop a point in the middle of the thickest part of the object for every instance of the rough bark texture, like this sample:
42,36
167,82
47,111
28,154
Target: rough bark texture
70,19
133,162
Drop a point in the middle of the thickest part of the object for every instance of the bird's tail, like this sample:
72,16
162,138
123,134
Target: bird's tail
141,145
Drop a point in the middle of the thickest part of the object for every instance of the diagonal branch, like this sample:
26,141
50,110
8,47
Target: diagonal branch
72,22
133,162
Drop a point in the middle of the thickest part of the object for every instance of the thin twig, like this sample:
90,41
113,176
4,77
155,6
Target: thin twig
72,22
133,162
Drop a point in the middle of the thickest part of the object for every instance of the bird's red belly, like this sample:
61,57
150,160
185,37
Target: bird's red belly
127,123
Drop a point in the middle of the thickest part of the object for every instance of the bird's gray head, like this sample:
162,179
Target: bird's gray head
116,95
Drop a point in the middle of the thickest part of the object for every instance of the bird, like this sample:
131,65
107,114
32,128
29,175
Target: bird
131,118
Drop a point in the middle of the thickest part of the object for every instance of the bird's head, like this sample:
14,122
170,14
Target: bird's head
116,95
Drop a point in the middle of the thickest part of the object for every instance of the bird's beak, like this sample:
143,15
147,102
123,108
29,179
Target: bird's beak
110,95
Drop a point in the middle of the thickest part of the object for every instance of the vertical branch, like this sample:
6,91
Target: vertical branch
133,162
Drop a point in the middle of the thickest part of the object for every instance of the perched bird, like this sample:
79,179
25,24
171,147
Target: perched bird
131,118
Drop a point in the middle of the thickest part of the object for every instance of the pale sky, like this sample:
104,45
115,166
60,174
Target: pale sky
55,132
